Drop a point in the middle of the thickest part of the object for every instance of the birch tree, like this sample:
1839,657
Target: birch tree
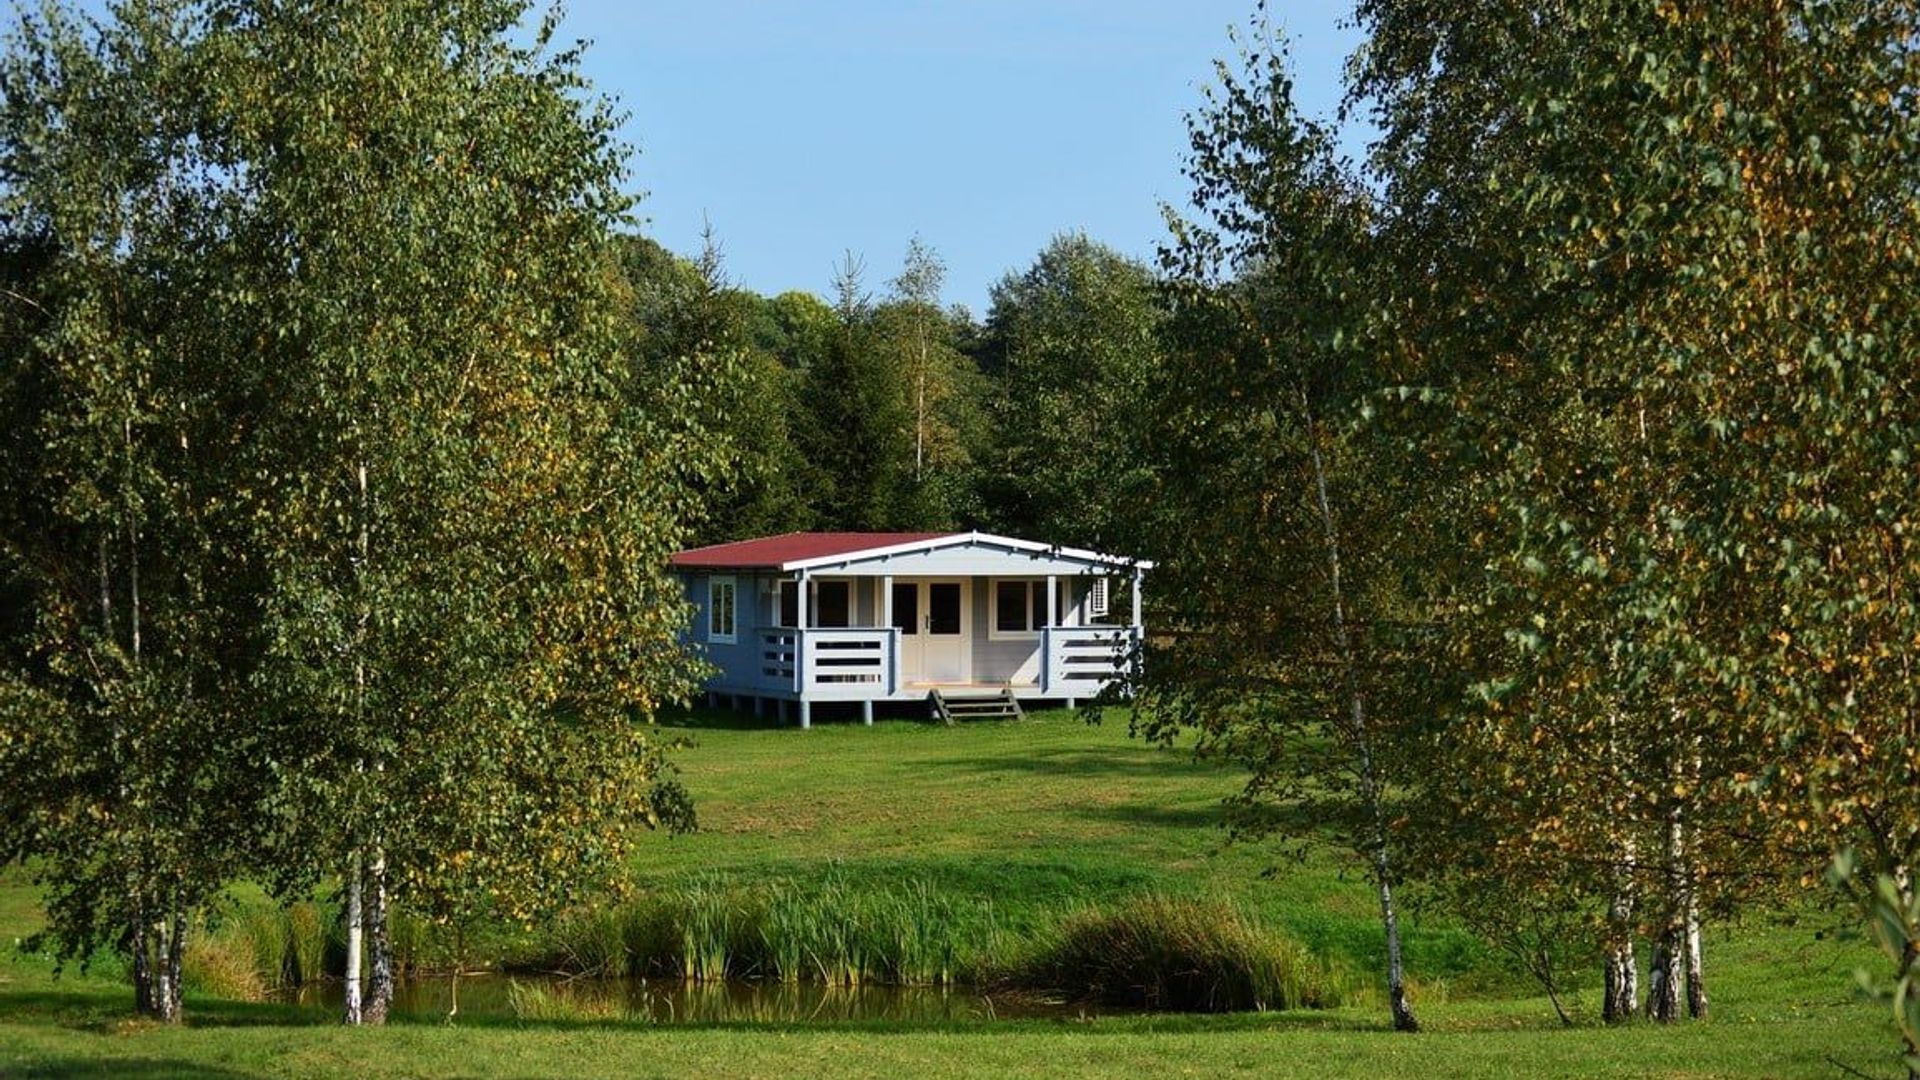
1674,231
939,387
123,782
461,492
1287,652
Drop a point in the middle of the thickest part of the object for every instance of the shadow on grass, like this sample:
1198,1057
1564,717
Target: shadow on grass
1134,760
714,720
1152,814
99,1012
824,714
80,1068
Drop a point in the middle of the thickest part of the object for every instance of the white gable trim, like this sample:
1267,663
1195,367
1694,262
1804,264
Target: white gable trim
1091,558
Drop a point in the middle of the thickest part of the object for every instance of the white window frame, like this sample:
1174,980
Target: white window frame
732,634
1099,598
994,633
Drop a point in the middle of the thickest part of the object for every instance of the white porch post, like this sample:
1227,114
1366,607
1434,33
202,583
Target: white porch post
893,637
1046,633
1137,637
801,676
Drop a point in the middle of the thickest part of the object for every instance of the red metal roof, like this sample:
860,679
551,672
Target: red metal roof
771,552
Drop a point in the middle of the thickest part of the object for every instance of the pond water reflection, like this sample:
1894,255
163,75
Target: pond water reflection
540,997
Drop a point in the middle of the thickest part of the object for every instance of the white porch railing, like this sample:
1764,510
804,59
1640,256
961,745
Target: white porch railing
859,664
1080,660
829,665
779,658
850,665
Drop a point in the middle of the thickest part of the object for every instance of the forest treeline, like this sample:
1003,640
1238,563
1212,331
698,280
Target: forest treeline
881,408
1532,500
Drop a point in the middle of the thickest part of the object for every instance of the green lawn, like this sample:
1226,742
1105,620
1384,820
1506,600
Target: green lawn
1033,817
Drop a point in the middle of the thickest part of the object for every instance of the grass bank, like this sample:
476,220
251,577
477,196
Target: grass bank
1031,822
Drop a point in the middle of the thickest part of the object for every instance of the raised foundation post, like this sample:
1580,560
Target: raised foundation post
866,712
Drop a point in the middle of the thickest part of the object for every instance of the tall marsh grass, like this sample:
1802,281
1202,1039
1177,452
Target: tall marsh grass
249,952
831,932
1158,952
1153,952
308,930
255,949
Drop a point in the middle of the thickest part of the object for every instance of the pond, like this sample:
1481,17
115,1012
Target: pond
542,997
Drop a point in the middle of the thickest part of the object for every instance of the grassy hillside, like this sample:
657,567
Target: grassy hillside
1034,819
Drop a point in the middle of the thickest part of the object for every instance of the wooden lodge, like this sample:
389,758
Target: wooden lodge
957,620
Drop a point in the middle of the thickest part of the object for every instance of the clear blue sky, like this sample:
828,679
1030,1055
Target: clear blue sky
804,128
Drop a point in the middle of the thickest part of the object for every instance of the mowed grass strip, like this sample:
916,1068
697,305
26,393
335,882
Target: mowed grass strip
1034,817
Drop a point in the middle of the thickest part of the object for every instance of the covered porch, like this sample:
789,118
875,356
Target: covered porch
874,638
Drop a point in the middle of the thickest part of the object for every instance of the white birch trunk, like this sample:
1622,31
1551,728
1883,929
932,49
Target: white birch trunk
1370,787
379,941
1622,991
1696,970
143,996
1664,975
355,1011
1696,973
171,1008
355,942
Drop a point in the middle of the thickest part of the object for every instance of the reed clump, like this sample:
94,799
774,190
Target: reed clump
222,964
830,931
1177,954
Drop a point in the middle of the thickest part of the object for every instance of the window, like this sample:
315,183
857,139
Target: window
906,607
829,603
1019,609
832,603
1097,600
720,610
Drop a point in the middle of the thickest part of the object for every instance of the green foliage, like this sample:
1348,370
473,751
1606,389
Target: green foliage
1662,295
465,494
129,624
1892,914
891,412
752,353
1297,647
326,437
1072,343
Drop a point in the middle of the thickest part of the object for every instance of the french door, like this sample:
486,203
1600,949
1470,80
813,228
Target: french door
933,619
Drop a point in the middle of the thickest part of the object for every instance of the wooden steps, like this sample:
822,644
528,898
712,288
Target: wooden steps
948,707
